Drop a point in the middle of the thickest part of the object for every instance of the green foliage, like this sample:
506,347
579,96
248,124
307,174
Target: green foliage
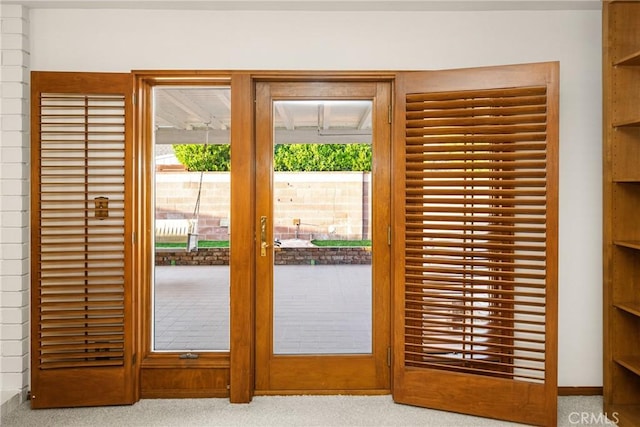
322,157
287,157
197,157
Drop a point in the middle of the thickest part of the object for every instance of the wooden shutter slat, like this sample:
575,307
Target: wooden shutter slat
470,235
417,192
466,303
479,130
443,336
489,226
456,142
84,331
471,271
416,219
471,102
473,200
472,369
413,283
418,263
469,157
436,314
472,112
505,302
69,313
419,184
67,270
488,94
482,249
474,166
480,210
416,251
415,151
470,280
420,349
48,305
475,120
89,356
476,174
74,338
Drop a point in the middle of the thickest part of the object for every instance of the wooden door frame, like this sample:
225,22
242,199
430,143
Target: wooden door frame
165,375
243,321
235,370
291,374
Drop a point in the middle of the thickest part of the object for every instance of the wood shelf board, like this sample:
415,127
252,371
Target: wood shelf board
632,244
629,307
627,180
631,59
632,363
635,122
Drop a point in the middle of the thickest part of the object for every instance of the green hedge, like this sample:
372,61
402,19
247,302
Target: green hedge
287,157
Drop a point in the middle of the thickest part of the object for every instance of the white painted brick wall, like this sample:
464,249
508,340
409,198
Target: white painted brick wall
14,205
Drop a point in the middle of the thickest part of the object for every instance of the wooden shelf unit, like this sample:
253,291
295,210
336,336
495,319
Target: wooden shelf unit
621,239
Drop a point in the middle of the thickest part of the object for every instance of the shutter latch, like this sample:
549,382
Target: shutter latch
188,356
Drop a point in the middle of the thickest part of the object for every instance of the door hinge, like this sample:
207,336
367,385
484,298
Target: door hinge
134,99
389,235
389,356
134,359
390,113
133,238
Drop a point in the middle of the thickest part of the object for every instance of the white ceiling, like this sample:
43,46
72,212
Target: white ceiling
186,115
317,5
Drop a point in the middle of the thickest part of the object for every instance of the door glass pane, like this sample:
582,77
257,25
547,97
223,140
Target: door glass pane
191,204
322,215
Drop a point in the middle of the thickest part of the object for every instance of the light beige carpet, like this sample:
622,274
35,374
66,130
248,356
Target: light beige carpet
281,411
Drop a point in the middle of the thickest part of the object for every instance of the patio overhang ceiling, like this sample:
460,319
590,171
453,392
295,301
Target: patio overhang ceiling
195,115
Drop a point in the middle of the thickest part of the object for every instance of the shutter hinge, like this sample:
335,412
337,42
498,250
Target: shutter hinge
390,113
134,238
134,359
134,98
389,235
389,356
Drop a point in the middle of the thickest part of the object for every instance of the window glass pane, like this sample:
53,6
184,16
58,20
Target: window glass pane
191,204
322,216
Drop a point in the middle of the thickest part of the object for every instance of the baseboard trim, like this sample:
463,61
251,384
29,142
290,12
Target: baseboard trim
579,391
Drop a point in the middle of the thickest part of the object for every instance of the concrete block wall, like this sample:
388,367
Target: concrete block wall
176,194
14,205
328,205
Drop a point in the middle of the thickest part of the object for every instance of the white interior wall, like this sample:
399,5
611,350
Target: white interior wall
122,40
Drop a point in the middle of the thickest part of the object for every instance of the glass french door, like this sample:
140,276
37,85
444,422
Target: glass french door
322,222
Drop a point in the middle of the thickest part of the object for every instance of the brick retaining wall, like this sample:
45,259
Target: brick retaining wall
284,256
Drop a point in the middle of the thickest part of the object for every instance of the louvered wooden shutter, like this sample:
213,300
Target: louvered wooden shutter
476,326
81,216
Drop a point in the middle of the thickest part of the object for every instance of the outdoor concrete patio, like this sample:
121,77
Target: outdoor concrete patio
317,308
